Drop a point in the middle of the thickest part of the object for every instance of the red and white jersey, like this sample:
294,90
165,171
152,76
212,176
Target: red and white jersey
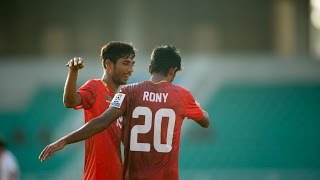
153,119
102,151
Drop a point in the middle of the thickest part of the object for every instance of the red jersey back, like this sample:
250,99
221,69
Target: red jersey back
152,127
102,151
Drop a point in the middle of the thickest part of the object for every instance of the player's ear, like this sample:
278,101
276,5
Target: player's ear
108,64
175,70
172,74
150,68
172,71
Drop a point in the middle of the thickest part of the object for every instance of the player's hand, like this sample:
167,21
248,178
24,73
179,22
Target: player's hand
50,149
75,63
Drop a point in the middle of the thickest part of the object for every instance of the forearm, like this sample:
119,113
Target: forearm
88,130
94,126
70,94
91,128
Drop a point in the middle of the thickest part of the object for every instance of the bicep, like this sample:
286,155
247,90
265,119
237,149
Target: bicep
78,102
195,112
72,100
205,121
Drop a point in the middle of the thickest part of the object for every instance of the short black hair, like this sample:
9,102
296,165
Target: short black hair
115,50
163,58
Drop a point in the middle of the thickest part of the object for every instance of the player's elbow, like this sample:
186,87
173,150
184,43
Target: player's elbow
68,103
68,106
71,100
206,124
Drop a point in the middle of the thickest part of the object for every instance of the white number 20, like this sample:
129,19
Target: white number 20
143,129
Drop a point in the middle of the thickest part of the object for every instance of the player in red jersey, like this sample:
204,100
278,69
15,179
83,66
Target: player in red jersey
102,151
154,111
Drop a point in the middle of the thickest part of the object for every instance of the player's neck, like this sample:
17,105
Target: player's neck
110,83
157,78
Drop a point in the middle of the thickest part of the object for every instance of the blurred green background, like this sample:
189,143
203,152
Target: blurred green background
252,64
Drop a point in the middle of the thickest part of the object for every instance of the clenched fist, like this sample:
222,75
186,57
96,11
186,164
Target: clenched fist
75,63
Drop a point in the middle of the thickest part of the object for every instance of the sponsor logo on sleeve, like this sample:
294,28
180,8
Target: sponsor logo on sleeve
117,100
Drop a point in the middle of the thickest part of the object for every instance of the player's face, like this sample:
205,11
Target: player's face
122,70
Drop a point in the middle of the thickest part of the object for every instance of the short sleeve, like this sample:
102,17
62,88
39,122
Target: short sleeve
120,100
192,110
88,93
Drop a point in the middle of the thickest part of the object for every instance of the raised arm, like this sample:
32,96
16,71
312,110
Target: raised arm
91,128
70,96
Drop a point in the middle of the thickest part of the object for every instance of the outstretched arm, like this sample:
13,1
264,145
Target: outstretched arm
91,128
70,96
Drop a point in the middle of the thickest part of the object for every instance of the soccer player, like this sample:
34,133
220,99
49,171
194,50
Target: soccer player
102,151
154,111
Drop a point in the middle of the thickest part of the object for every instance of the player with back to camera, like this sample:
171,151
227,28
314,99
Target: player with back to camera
154,111
102,151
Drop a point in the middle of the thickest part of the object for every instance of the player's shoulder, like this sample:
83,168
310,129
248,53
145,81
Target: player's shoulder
134,85
92,81
181,88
